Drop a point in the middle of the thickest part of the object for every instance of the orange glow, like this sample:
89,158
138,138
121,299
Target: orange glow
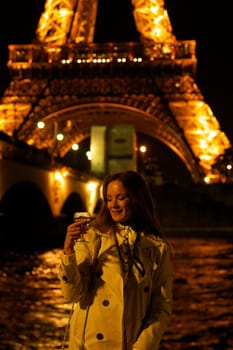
202,132
142,149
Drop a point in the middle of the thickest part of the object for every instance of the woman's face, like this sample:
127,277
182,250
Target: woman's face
118,202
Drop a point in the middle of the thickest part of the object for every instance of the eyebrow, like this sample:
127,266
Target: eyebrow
118,194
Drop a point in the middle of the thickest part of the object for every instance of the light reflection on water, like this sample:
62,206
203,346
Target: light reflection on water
203,314
34,316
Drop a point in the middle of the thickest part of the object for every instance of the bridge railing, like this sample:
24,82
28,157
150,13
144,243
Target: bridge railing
22,152
23,56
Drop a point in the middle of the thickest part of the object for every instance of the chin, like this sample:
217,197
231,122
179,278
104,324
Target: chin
118,219
122,222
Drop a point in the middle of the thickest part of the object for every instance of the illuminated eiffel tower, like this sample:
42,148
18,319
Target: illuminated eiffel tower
65,82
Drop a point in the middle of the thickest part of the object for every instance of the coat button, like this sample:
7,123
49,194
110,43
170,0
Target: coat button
99,336
65,278
146,289
105,302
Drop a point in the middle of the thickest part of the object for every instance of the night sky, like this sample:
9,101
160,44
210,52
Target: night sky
206,21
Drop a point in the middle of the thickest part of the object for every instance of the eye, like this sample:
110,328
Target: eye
123,197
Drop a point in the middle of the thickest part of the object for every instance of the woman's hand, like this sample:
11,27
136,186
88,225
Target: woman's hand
74,231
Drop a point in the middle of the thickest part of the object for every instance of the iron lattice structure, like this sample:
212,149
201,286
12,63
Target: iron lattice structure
65,82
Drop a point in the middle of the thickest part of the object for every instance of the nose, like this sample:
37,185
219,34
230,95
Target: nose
115,203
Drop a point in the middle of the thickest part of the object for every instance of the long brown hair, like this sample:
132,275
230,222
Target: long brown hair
144,215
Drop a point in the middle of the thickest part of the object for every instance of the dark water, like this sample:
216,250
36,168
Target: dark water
34,316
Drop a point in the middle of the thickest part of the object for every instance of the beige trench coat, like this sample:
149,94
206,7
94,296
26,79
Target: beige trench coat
111,315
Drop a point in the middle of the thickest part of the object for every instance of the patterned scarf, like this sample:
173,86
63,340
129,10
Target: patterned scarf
126,239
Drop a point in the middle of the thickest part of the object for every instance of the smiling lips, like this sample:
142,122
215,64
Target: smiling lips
116,213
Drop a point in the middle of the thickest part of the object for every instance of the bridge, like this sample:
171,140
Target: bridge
52,184
39,196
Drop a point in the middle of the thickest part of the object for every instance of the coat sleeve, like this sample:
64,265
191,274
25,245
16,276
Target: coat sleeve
160,310
70,278
75,271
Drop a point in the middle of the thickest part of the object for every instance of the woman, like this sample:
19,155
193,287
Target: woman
122,300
